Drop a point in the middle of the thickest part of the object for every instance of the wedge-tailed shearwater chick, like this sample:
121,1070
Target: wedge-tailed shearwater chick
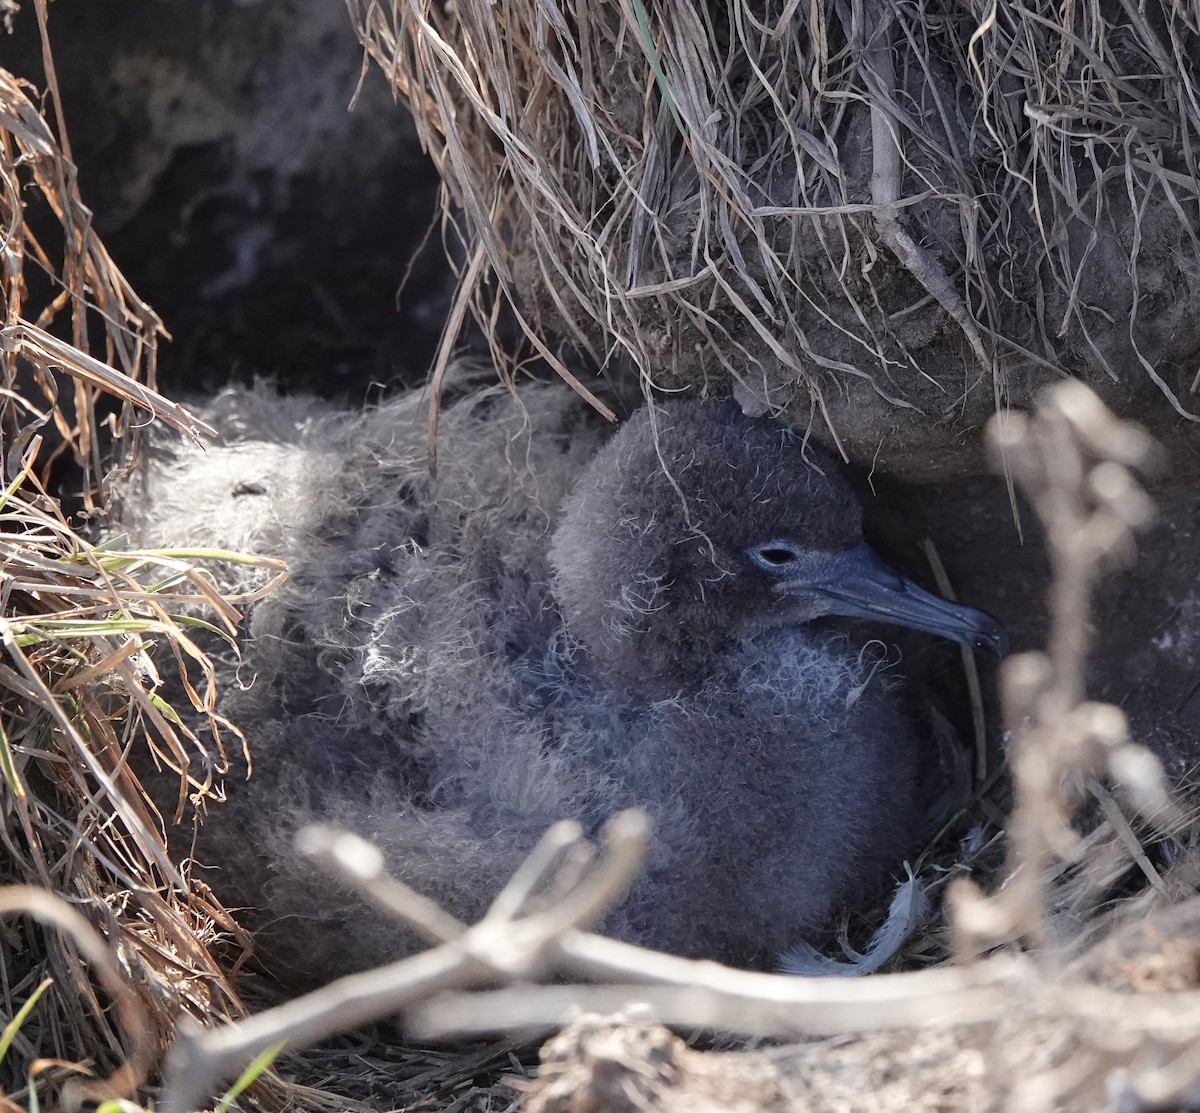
458,662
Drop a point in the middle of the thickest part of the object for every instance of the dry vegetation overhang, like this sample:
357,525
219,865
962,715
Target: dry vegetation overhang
892,217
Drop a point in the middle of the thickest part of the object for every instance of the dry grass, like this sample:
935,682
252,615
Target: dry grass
130,943
768,193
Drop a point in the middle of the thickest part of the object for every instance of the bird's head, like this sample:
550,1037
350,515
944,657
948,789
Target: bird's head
696,527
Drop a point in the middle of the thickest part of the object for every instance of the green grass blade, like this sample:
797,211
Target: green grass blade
660,75
14,1026
248,1076
10,490
9,768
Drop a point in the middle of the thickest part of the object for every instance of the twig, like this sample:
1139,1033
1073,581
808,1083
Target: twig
504,948
1071,459
359,865
495,949
689,994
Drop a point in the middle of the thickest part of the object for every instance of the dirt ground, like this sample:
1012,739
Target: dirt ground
1146,620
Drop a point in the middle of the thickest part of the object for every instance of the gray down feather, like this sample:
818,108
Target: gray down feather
553,627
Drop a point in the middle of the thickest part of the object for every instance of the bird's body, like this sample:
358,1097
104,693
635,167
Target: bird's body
550,629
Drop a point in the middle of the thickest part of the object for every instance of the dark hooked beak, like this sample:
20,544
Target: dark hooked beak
860,585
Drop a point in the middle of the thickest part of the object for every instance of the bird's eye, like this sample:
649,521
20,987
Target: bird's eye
774,556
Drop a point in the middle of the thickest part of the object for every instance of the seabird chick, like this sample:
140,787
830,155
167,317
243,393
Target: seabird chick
458,662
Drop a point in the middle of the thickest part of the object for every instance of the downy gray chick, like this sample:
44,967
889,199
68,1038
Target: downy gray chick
547,631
